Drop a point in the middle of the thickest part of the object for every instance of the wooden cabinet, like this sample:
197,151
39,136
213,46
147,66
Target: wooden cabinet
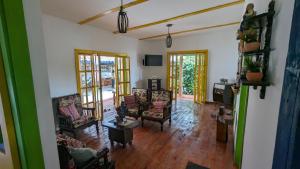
154,84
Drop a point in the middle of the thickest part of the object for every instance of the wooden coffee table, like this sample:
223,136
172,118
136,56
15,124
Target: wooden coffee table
122,132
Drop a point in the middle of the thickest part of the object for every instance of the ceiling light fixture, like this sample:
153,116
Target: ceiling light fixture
169,38
122,20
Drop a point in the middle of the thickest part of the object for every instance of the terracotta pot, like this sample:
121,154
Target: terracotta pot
254,76
252,46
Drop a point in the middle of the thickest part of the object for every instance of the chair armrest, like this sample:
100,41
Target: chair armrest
167,110
65,122
90,111
103,154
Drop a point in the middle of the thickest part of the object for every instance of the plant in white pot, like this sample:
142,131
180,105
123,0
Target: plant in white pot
254,73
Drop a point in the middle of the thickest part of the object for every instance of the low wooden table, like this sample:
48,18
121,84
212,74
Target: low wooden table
122,132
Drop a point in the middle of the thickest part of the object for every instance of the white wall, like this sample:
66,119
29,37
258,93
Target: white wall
41,84
148,72
62,37
222,53
262,115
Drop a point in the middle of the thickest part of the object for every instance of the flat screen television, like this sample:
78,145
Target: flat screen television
153,60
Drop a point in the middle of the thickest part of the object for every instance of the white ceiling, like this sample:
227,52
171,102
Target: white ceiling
153,10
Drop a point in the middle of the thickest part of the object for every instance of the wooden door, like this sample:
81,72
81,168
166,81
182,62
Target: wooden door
173,68
89,81
200,80
123,87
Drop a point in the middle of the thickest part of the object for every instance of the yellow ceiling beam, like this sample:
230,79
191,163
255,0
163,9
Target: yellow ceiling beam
192,30
116,9
186,15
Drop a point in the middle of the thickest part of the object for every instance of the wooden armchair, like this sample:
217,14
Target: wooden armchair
136,103
66,120
67,161
162,98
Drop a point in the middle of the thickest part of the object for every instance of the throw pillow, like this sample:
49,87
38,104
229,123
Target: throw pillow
159,106
74,111
130,101
82,155
64,110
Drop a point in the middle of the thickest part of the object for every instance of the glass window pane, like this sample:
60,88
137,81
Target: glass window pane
90,95
88,62
89,79
81,63
82,80
83,96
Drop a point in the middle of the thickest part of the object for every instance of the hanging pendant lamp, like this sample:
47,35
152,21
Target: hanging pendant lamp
169,38
122,20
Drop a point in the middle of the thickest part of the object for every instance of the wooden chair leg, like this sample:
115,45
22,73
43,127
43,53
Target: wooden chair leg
97,128
142,122
170,121
161,126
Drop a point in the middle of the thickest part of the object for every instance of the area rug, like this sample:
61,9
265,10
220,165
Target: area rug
191,165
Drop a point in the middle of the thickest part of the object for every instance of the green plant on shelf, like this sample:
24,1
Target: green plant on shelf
250,36
251,65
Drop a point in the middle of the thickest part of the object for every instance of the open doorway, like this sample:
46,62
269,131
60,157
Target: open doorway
108,77
103,79
187,74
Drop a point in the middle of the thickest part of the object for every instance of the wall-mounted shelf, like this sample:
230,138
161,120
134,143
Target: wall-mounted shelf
263,23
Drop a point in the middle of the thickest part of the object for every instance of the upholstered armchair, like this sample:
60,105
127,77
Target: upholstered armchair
74,154
132,106
71,116
137,102
160,107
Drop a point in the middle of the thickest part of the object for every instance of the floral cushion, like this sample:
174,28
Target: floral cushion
63,139
141,95
153,113
130,101
133,111
69,111
162,95
159,105
82,120
68,100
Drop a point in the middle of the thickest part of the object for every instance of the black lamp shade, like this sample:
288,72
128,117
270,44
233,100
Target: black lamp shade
122,21
169,41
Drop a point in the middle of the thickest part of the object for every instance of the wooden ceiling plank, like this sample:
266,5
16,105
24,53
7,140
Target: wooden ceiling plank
186,15
116,9
192,30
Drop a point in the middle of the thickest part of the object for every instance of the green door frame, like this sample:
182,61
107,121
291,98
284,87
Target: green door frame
17,66
241,124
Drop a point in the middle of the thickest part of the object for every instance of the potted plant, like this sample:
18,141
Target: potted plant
250,39
254,73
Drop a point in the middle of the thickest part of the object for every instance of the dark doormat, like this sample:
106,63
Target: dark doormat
191,165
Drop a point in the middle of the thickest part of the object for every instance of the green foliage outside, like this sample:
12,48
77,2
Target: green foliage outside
188,69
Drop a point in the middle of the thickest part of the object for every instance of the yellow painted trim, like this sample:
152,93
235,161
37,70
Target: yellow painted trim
8,119
186,15
116,9
103,53
192,30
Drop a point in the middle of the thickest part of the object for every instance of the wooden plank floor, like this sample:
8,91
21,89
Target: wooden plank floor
191,137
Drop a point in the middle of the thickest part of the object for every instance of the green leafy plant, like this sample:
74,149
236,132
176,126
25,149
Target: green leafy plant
250,35
252,66
188,69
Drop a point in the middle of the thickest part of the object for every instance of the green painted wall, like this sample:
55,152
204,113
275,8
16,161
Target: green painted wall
241,123
14,44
